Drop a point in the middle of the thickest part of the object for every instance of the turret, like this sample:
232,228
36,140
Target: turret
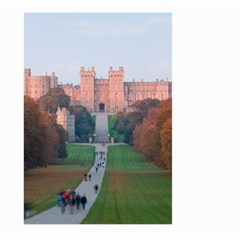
27,74
116,89
87,78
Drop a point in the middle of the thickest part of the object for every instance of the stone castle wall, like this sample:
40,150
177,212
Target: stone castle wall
100,95
36,86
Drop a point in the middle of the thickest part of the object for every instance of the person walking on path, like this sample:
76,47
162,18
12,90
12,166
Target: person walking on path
96,168
78,200
89,177
59,199
85,177
96,188
73,193
83,201
63,207
65,198
71,204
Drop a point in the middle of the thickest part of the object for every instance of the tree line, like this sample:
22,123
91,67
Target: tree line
44,139
149,129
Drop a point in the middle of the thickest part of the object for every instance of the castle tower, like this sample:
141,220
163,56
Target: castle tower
53,80
27,74
87,79
116,89
67,121
62,117
36,86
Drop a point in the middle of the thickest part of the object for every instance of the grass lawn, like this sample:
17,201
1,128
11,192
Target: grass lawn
133,191
112,132
41,185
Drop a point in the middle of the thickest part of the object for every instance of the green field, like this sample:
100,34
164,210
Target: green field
117,136
133,191
41,185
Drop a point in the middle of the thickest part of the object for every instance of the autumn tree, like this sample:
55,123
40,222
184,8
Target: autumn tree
166,143
153,136
44,139
33,139
50,136
145,136
126,122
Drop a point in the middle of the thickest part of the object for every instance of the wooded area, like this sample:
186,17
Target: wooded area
44,139
149,130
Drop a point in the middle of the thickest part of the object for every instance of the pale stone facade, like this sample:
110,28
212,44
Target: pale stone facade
36,86
113,94
101,95
67,120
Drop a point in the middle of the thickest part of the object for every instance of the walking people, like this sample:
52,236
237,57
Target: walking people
85,177
73,193
77,199
63,207
65,198
96,188
83,201
59,199
89,177
71,204
96,168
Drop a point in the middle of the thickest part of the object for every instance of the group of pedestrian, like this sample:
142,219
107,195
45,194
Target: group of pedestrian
101,164
101,153
87,177
71,199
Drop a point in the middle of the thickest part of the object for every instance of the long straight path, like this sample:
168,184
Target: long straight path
101,127
54,215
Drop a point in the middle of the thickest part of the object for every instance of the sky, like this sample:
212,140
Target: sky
63,42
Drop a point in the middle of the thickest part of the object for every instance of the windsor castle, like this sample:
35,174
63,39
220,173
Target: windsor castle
98,94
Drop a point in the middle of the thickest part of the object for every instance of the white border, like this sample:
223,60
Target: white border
205,75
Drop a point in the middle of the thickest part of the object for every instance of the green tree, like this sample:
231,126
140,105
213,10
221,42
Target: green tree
145,105
53,99
63,137
84,124
120,121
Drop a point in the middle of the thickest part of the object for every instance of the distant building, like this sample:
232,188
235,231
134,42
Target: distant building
36,86
67,120
101,95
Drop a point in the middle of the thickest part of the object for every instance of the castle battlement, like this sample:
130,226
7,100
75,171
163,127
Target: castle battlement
100,94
